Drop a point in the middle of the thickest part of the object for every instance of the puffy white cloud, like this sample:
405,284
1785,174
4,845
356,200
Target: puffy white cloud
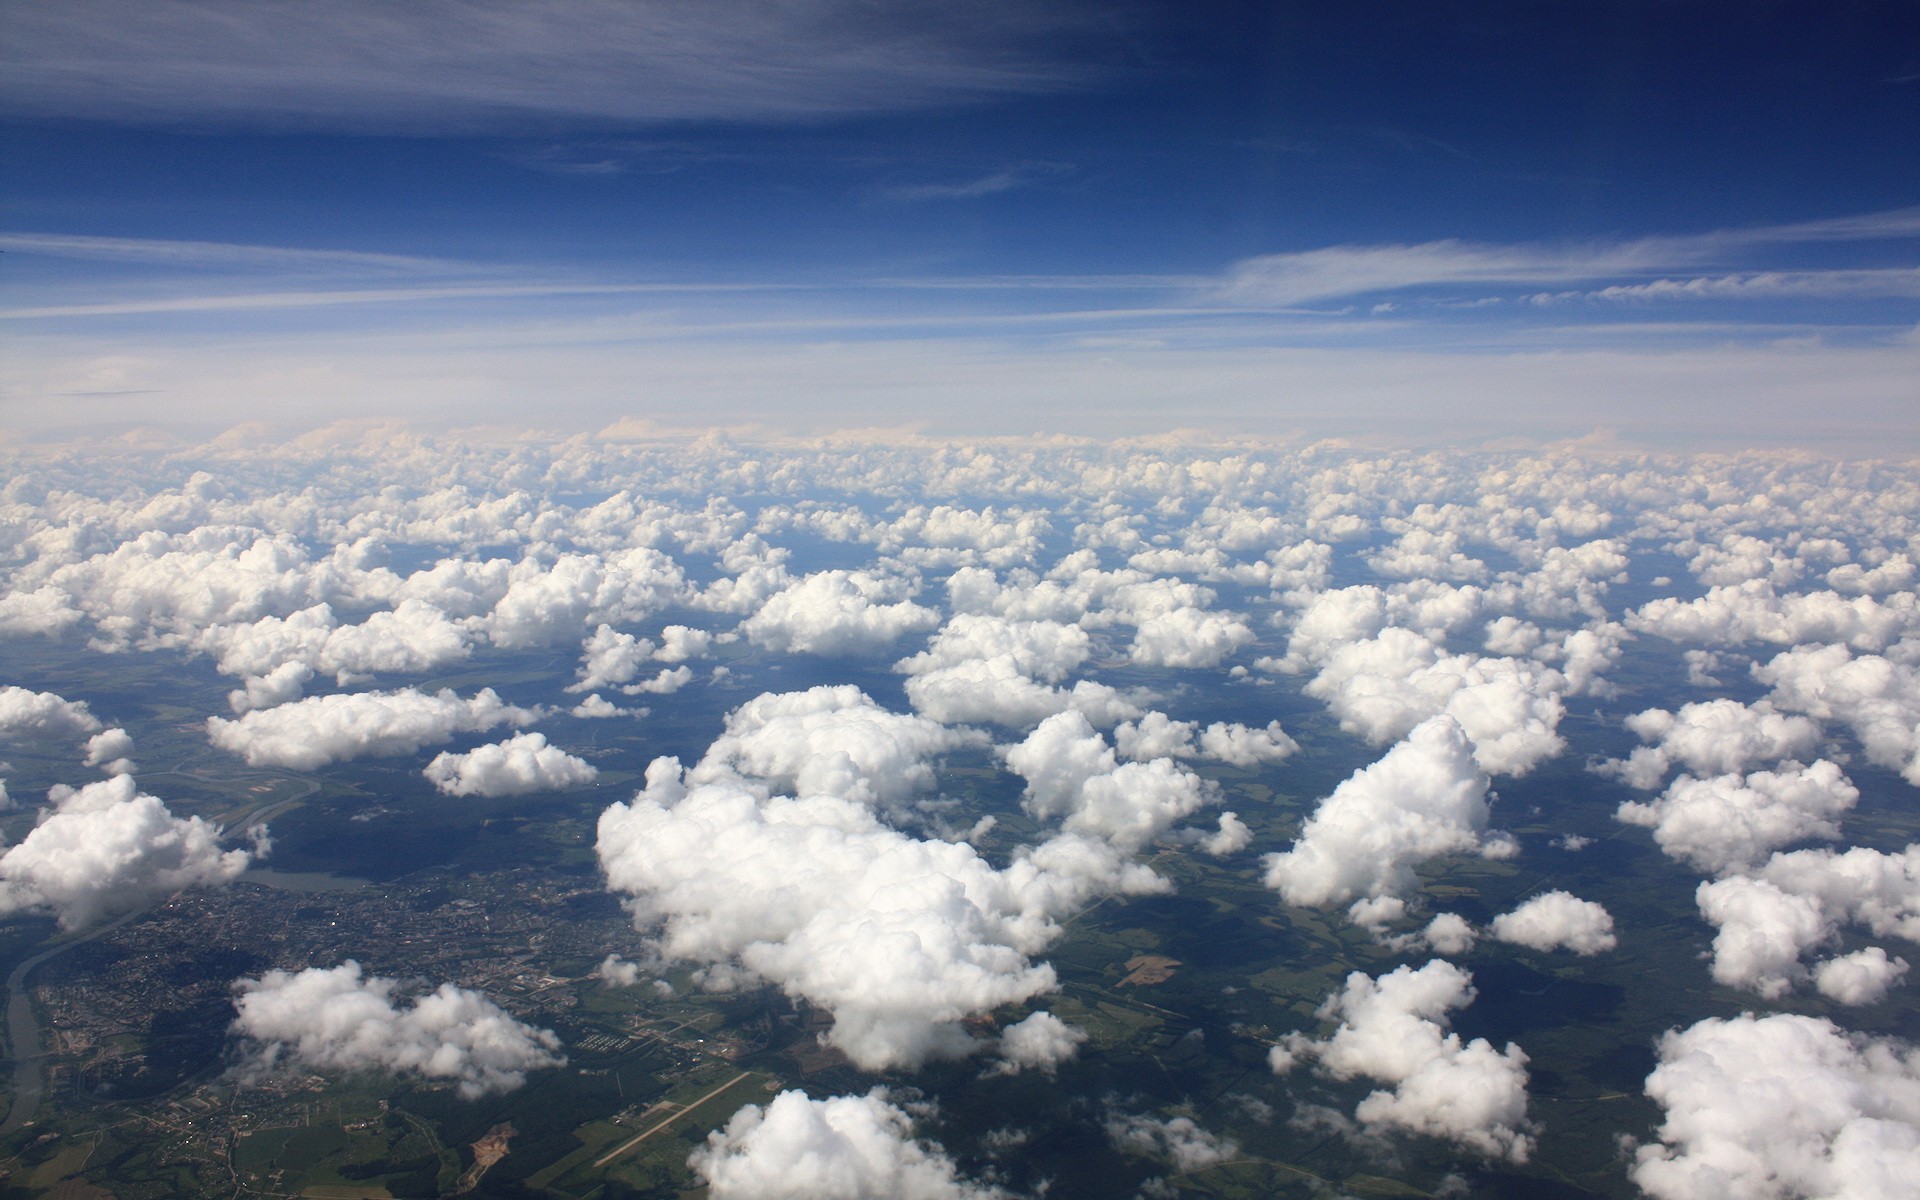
840,1148
311,733
1782,1106
544,602
900,938
1040,1041
107,848
1449,933
615,971
109,749
1423,554
597,707
982,669
1893,575
830,741
520,764
1424,799
1156,735
1763,932
837,613
1718,737
1556,920
1863,885
1730,821
1188,637
285,682
609,658
1246,745
678,643
1863,977
44,611
1179,1139
1753,612
30,714
1231,837
1382,687
1877,697
993,691
1045,650
1072,774
1393,1029
665,682
337,1019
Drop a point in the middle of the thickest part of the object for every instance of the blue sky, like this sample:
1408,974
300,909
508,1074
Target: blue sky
1687,223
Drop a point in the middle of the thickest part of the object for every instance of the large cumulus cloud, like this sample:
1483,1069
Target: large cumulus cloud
1426,798
1732,821
1393,1029
900,938
1073,775
830,741
311,733
838,612
1769,921
1767,1108
106,848
1716,737
25,713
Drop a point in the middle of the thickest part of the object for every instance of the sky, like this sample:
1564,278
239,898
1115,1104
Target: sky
1693,225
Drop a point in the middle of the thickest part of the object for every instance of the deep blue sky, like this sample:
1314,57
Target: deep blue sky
1160,153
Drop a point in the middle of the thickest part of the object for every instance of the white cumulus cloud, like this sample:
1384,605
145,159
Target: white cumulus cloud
1782,1106
1426,798
338,1019
1393,1029
839,1148
311,733
837,613
1557,920
520,764
106,848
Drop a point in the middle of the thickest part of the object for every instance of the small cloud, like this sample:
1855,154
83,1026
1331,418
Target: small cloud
1005,180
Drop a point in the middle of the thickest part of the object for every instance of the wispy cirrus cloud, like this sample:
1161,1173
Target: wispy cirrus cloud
992,183
231,255
464,66
1337,273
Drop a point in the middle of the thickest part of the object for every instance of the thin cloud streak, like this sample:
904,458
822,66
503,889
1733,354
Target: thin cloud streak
452,66
992,184
1340,272
262,301
164,252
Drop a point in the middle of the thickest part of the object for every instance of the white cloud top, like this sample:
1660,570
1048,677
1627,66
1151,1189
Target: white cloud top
1425,799
521,764
311,733
838,613
107,848
337,1019
1393,1029
899,938
1766,1108
840,1148
1554,920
